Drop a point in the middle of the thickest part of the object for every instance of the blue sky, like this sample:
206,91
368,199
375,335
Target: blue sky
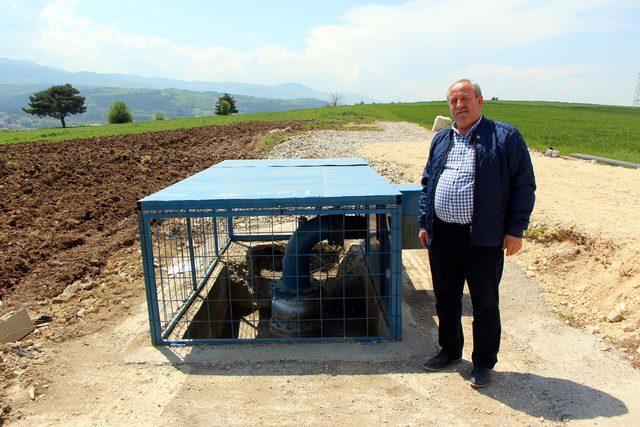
570,50
241,25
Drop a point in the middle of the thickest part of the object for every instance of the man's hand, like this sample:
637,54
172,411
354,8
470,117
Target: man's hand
512,244
423,236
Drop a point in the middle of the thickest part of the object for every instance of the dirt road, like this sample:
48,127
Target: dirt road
549,372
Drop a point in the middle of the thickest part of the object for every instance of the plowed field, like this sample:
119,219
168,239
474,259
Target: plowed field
65,207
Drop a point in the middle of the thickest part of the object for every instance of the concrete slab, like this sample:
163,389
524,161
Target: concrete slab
15,326
417,339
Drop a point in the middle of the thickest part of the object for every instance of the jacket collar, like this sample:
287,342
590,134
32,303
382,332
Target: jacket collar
472,129
477,127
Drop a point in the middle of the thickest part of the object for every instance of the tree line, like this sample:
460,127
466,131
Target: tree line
62,101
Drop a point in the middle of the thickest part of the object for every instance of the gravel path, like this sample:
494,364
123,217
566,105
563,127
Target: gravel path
333,143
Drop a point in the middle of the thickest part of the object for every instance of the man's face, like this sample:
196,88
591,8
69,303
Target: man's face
465,105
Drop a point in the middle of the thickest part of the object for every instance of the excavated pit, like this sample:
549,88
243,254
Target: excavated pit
238,294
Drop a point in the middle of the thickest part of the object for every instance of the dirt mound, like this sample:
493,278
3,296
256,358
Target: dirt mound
67,206
584,280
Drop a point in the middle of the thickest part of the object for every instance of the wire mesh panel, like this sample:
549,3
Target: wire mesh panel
301,273
274,250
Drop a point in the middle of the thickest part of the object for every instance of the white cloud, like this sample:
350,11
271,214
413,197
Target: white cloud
532,82
406,51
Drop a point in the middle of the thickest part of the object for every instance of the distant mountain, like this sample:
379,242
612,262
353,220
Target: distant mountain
144,103
18,72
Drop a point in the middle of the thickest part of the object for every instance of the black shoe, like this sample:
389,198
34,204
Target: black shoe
480,377
439,361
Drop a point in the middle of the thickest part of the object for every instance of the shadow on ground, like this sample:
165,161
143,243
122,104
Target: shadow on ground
552,398
555,399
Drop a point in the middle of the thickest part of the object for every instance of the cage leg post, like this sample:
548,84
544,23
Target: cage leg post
149,278
395,292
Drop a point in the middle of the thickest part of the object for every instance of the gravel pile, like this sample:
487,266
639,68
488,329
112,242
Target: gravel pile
333,143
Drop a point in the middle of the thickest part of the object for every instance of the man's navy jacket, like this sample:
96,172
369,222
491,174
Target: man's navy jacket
503,193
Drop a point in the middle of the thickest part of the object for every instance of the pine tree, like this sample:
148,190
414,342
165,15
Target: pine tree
57,102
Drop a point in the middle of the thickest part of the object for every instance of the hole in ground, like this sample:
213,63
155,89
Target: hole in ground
238,305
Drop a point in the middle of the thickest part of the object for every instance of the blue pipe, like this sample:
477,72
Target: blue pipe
296,306
295,264
296,274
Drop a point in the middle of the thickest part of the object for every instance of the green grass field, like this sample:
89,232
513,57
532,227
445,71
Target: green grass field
600,130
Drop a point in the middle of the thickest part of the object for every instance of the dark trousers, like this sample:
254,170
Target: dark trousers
452,262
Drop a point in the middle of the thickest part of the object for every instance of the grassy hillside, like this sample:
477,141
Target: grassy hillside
590,129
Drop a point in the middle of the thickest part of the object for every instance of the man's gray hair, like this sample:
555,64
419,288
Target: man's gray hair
476,86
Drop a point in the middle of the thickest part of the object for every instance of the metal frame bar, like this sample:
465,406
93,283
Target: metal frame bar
230,226
180,342
192,256
215,236
149,277
195,213
267,203
395,293
259,237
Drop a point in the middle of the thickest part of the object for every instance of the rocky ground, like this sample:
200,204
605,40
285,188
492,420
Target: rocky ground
332,143
570,300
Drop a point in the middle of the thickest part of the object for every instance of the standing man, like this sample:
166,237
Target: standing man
477,195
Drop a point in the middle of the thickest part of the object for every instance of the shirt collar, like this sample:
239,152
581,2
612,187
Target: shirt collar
475,125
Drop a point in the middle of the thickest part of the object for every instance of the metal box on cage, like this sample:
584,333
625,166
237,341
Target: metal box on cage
275,250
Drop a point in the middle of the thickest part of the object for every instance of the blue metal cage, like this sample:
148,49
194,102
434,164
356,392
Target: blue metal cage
275,250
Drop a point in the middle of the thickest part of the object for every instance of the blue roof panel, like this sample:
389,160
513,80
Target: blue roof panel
234,183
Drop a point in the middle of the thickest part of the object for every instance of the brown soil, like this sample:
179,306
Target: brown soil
67,206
